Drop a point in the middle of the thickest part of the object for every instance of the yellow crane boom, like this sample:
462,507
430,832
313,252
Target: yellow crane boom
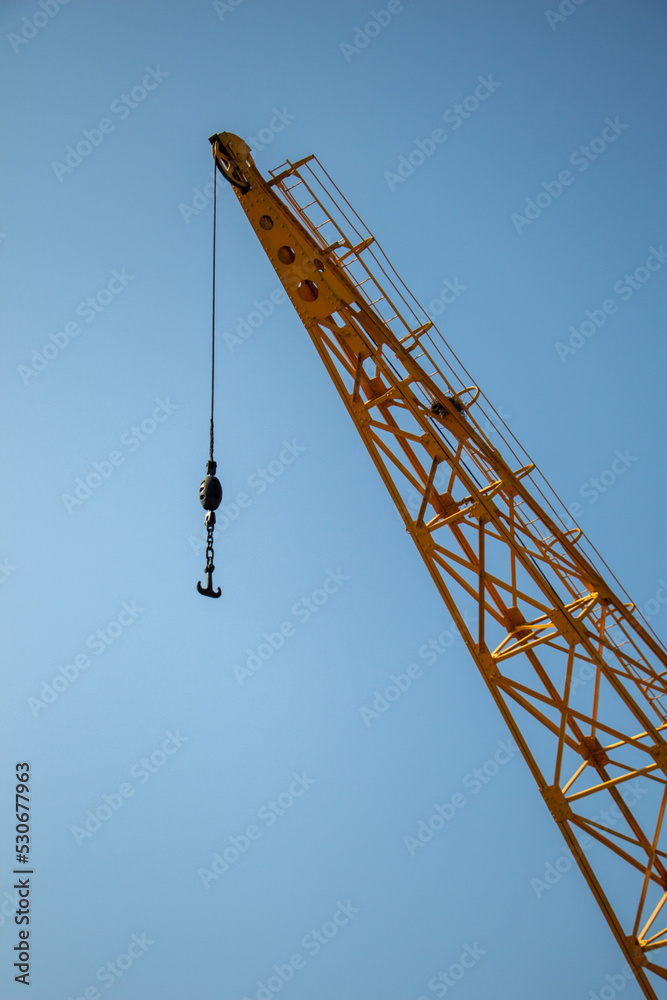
580,680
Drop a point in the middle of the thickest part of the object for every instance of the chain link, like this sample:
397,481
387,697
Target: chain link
209,549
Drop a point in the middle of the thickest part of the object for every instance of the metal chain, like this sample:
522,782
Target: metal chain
209,549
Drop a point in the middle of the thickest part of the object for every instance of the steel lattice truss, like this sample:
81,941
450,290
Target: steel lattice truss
580,680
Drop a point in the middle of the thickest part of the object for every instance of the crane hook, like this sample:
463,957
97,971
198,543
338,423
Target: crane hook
208,590
210,495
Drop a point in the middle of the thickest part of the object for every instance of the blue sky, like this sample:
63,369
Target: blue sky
106,292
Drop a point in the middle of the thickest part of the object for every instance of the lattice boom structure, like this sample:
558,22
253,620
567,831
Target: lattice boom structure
580,680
